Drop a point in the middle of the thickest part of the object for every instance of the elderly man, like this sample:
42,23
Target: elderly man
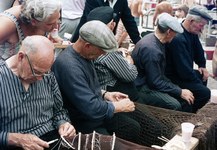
120,8
149,57
183,51
91,108
31,110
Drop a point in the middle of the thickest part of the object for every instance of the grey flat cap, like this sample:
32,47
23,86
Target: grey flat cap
200,11
97,33
167,21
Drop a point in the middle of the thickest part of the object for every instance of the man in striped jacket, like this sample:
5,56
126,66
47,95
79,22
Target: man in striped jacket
31,110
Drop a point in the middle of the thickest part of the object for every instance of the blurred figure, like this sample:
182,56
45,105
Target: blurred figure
136,9
72,11
120,8
33,17
182,12
162,7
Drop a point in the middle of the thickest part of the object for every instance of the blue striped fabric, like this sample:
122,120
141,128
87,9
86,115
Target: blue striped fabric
37,111
112,67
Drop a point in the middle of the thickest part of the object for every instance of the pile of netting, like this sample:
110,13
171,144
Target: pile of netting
169,122
95,141
155,122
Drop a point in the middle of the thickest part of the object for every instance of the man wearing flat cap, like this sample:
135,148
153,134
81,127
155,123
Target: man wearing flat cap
185,50
149,58
90,108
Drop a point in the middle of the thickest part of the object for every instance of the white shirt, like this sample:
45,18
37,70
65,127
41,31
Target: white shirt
72,9
111,4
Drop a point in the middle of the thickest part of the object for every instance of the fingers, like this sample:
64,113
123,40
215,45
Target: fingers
67,129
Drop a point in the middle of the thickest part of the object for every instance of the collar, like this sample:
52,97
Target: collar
111,4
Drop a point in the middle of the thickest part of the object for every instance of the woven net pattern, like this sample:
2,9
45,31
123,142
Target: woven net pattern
156,122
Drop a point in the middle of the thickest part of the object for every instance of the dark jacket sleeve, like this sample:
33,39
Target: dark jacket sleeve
155,75
182,60
129,23
89,5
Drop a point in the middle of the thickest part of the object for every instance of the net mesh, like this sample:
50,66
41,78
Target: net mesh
156,122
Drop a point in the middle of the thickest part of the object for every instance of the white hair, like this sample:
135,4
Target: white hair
40,10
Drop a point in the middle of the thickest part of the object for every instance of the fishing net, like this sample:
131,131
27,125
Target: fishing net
155,122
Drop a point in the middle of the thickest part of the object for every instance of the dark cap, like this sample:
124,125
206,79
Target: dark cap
200,11
103,13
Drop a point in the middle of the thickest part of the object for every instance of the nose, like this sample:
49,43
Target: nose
55,25
39,78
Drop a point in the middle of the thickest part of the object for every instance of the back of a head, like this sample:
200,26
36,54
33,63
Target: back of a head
166,21
104,14
40,10
99,34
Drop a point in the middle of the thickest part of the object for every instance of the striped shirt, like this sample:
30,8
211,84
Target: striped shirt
37,111
112,67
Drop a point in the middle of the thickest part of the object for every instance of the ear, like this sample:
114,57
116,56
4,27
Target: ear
21,55
34,22
191,20
113,25
87,46
168,31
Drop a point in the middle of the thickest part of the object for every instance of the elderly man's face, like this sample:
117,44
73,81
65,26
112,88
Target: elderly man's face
196,28
32,67
94,52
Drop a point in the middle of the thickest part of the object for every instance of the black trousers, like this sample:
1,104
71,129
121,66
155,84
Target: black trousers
200,91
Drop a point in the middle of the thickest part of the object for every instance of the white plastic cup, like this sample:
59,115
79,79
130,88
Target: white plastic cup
54,33
187,130
214,96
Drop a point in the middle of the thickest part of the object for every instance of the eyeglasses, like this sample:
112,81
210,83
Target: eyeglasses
37,75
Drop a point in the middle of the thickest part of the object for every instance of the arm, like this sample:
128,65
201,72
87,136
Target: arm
7,30
89,5
155,76
178,52
118,65
123,36
79,91
60,115
129,23
155,16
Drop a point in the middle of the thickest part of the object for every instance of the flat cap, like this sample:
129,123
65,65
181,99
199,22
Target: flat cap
200,11
99,34
167,21
103,13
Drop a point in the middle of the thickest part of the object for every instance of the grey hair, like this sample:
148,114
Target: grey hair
196,18
40,10
29,46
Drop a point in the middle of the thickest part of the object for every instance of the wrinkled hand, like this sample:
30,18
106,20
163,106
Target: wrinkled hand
124,105
66,129
26,141
129,59
114,96
188,96
205,73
